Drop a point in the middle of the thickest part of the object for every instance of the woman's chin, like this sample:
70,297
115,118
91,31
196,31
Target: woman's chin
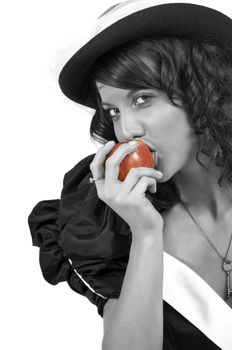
161,180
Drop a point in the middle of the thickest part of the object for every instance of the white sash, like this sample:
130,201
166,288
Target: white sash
197,301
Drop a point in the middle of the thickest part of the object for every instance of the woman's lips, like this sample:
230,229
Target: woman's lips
155,157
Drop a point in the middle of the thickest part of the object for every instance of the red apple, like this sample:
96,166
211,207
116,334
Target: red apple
141,157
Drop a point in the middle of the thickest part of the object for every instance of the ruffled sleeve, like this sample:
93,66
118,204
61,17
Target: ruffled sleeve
45,232
81,239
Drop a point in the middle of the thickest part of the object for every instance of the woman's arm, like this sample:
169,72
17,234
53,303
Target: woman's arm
137,318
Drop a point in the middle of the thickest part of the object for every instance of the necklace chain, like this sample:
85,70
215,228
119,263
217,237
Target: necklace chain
206,236
226,264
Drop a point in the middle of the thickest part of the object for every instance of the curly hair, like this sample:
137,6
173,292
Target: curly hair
196,72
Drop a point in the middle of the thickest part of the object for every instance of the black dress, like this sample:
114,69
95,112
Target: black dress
84,242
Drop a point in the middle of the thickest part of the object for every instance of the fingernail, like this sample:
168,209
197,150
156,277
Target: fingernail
109,143
160,174
132,143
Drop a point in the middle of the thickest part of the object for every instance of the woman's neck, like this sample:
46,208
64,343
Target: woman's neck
199,190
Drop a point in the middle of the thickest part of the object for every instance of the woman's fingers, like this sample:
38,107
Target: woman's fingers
97,165
142,185
113,162
127,198
109,168
136,174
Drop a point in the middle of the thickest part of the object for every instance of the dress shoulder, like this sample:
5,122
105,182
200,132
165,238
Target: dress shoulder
81,239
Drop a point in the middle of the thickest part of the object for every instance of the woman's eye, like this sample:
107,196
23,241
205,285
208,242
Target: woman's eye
112,113
141,98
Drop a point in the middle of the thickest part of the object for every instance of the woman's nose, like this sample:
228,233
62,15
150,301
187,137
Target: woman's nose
128,128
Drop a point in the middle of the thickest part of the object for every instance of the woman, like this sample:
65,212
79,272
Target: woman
152,252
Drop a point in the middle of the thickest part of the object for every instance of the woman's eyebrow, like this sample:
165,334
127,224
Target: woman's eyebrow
128,96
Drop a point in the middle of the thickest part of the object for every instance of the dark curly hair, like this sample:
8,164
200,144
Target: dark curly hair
197,72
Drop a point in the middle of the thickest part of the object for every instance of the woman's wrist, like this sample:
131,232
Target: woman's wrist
147,236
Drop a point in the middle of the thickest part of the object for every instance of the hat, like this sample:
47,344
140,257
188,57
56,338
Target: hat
136,19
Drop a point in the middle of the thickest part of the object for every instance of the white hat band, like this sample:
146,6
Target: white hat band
120,11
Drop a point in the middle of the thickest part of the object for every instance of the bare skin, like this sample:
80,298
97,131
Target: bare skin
150,116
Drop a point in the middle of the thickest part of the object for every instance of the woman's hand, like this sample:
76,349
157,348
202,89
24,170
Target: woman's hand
126,198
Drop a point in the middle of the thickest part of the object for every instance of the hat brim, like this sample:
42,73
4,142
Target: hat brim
181,20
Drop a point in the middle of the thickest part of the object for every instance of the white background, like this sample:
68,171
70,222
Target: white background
43,135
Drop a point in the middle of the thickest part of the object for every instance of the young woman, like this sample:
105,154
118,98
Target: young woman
153,253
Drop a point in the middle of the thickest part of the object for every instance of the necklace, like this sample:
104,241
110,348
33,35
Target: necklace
226,264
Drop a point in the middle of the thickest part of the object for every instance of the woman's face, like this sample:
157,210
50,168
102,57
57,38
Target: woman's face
148,114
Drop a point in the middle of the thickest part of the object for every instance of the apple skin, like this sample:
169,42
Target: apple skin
141,157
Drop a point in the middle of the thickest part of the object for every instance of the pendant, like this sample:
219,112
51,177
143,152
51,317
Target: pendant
227,267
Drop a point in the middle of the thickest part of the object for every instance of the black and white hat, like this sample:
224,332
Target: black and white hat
135,19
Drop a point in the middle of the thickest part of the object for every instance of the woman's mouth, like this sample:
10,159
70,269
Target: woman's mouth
155,157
